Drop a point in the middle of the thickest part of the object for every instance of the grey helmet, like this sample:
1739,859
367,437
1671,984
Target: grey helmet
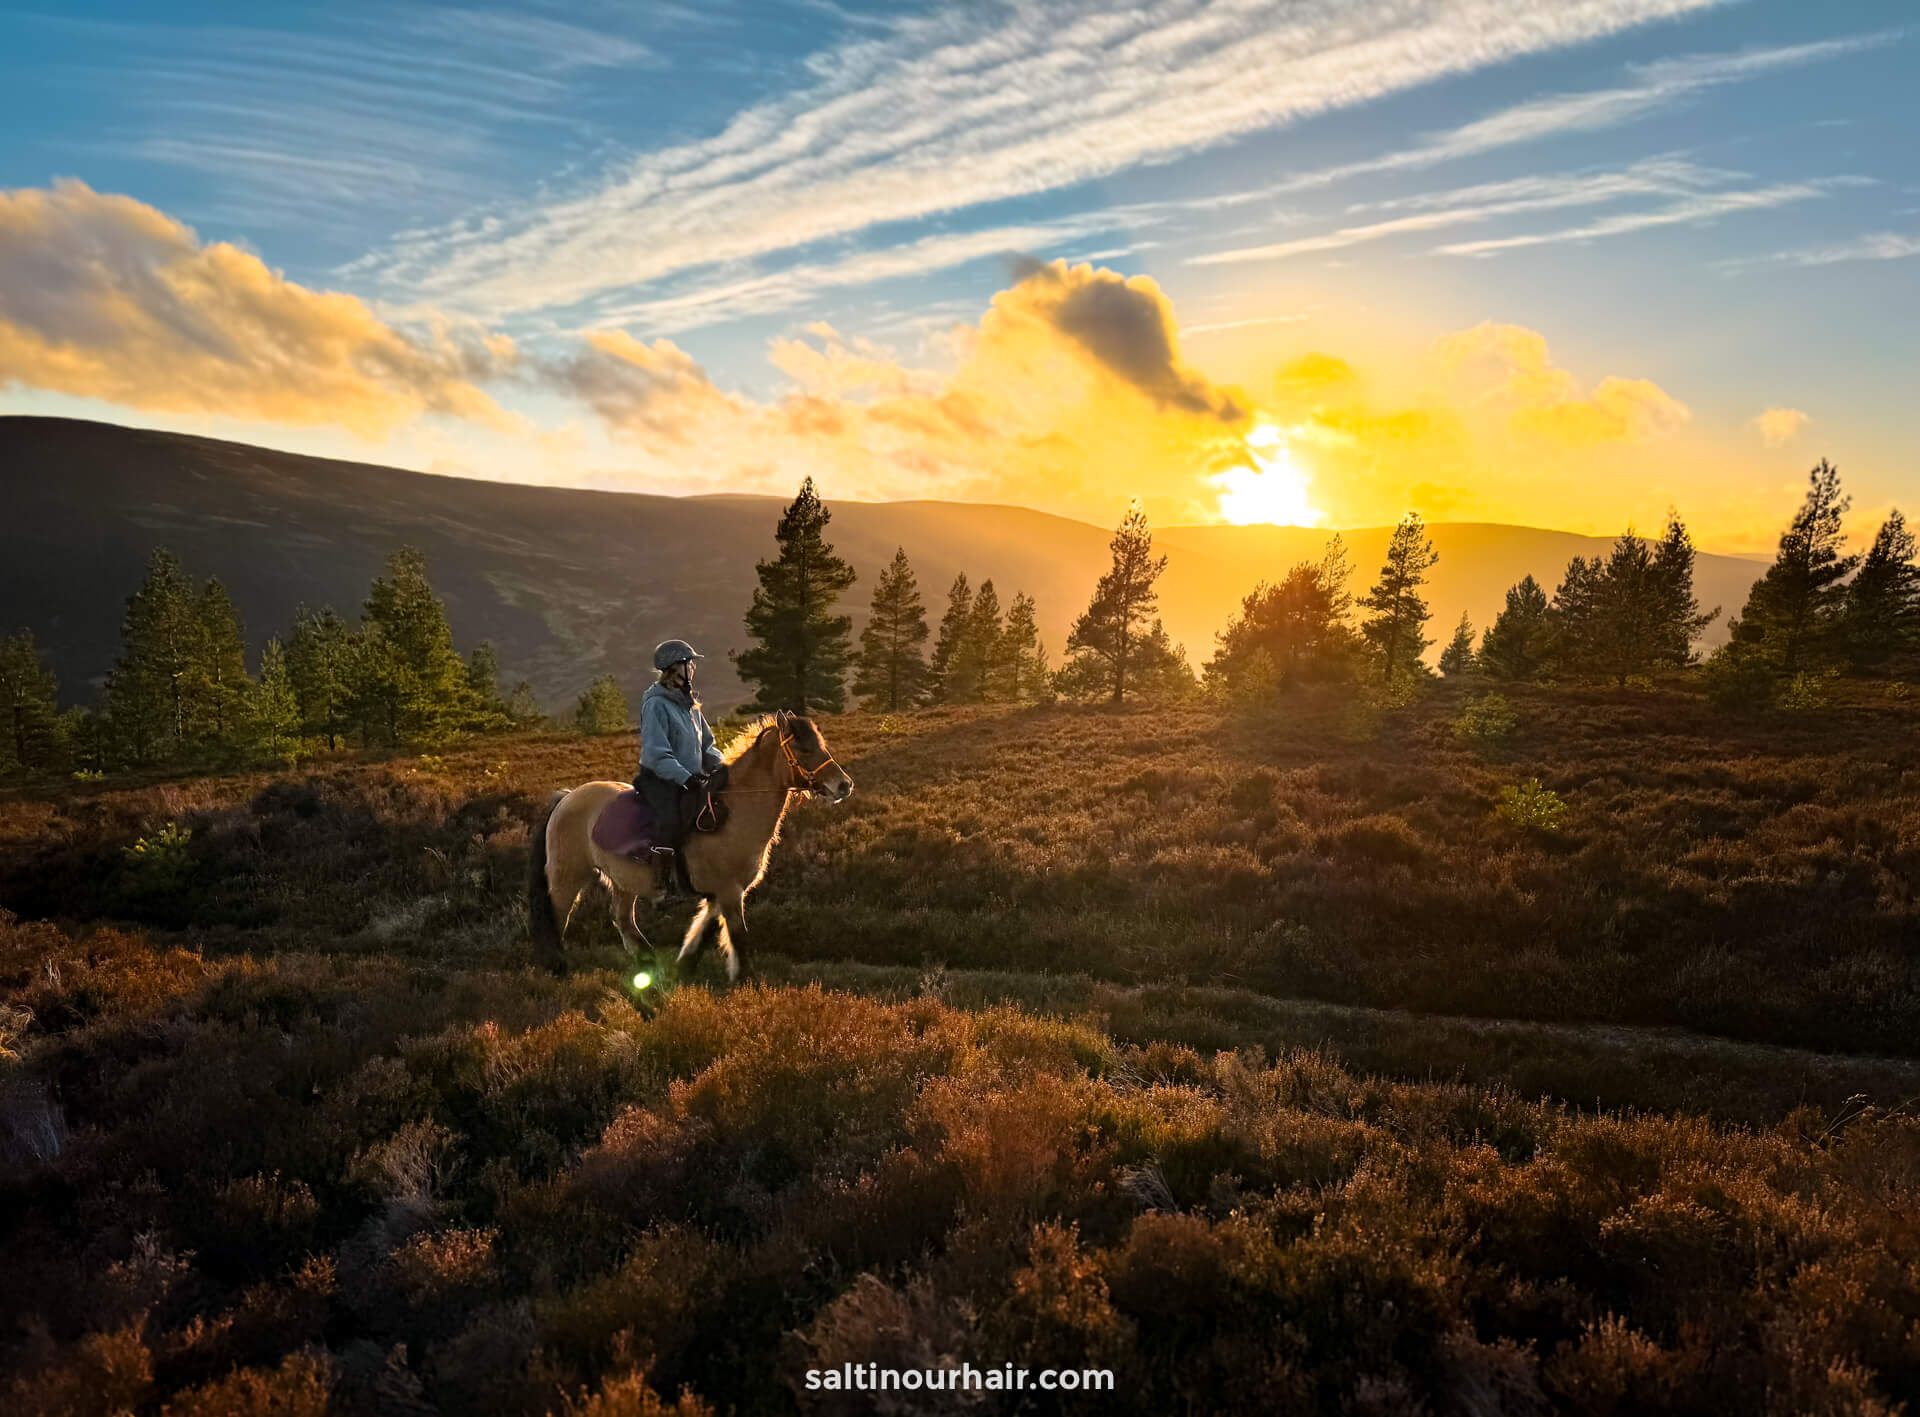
668,653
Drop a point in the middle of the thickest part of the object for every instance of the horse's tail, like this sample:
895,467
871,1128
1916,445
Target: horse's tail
542,924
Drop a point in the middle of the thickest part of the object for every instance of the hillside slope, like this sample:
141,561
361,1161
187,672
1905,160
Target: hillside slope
570,584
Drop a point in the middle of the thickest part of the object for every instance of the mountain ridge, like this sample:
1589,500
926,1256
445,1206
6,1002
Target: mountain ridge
570,583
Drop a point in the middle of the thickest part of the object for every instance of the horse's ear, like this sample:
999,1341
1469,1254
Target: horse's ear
781,718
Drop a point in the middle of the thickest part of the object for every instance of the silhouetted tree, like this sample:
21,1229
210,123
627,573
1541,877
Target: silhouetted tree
892,672
953,629
1397,627
220,675
1679,619
1518,643
1457,658
801,648
1794,613
973,668
29,706
1023,659
1883,599
1287,632
1109,632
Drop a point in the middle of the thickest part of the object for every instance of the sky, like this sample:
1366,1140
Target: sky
1568,264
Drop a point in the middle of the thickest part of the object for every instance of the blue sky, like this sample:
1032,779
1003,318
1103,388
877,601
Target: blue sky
1721,201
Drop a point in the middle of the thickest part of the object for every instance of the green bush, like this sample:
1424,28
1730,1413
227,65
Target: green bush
1486,719
159,864
1531,807
1738,680
1806,692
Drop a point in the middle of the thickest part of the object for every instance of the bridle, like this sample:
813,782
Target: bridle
808,778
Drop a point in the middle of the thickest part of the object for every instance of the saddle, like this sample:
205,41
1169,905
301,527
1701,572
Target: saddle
628,827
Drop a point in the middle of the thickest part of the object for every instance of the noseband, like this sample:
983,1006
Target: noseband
808,779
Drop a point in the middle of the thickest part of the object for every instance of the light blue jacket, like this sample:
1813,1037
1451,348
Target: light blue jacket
675,742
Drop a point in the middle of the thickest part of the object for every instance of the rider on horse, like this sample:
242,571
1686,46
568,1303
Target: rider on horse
677,754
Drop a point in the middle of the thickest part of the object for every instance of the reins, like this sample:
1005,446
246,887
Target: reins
806,779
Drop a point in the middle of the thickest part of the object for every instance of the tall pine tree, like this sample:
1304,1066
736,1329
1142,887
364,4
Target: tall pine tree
1023,659
321,662
799,659
1105,641
1679,619
152,693
411,685
972,671
892,673
274,717
1516,645
1397,628
1457,658
953,629
1794,614
220,677
1883,599
29,706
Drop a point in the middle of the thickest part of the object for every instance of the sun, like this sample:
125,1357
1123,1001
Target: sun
1272,490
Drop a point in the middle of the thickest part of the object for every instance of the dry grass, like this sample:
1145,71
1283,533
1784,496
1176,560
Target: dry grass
301,1131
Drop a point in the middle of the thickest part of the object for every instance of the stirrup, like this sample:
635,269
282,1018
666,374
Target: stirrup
666,877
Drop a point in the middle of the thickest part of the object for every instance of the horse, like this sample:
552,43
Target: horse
784,754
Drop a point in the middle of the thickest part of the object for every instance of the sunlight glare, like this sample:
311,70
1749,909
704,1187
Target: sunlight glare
1273,490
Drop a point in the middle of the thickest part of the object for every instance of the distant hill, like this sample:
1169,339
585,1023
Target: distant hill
570,584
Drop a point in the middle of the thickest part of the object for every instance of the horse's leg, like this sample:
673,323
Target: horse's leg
733,929
623,902
696,932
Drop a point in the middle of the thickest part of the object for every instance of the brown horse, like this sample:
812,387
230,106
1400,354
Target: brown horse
783,754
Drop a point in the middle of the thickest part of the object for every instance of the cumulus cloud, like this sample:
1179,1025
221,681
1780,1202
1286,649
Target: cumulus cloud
1779,425
1509,366
105,297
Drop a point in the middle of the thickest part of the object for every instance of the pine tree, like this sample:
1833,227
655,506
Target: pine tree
973,670
1287,632
602,710
893,672
1794,612
411,685
486,710
523,705
1679,620
1883,599
219,678
1397,629
1160,670
953,629
151,693
29,707
799,660
1517,644
1109,633
1023,659
274,718
321,662
1628,604
1457,658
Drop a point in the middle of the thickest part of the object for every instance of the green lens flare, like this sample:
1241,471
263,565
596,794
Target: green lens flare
642,979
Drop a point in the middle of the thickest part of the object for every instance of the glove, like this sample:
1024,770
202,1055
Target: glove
696,782
717,779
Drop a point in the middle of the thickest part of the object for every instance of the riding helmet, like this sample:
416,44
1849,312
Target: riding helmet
668,653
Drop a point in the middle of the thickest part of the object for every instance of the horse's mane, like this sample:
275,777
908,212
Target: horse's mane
803,729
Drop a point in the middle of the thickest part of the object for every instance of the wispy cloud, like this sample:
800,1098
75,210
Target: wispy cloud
1705,207
1433,211
1874,246
969,106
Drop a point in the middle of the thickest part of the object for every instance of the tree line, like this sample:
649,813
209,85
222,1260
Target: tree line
1619,616
181,693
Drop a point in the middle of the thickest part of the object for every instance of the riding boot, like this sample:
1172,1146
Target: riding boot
666,879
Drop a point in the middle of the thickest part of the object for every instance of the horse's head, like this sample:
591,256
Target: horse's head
810,765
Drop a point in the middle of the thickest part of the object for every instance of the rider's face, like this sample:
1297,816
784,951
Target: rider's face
686,672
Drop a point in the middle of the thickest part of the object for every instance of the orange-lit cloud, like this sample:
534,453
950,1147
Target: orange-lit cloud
1509,366
1779,425
106,297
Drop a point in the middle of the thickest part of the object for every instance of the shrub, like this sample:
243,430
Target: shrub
1806,692
157,865
1897,690
1738,680
1639,683
1531,807
1486,719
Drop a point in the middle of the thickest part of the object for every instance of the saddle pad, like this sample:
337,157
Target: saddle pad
625,826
